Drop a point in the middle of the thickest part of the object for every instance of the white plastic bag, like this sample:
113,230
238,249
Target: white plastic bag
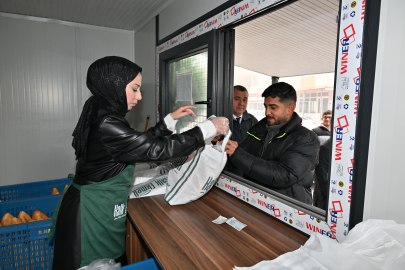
150,182
193,179
372,245
102,264
144,172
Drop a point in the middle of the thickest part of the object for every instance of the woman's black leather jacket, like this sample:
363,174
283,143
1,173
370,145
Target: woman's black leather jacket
113,144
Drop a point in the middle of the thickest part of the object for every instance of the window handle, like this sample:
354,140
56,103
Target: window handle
208,102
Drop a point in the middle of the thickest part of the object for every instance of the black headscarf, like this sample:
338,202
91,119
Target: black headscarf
107,79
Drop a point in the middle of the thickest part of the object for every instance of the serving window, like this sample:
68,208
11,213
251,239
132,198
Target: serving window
317,47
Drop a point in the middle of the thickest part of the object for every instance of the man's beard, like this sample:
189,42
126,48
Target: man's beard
278,121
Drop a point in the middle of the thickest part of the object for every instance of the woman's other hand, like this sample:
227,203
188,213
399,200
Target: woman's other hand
182,111
217,138
221,124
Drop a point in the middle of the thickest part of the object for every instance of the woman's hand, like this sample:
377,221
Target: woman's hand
182,111
221,124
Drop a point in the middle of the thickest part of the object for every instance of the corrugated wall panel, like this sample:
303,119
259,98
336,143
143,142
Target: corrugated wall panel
42,91
145,57
93,44
120,14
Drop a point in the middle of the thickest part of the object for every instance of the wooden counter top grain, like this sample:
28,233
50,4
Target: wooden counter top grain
184,236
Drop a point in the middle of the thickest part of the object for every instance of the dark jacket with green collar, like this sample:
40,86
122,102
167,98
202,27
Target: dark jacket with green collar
286,164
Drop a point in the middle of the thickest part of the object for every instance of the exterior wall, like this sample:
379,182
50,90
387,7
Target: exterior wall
385,178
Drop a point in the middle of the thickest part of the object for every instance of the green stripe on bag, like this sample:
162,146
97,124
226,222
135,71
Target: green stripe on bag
178,181
186,178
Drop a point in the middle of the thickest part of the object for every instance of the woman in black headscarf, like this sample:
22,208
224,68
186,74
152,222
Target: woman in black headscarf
92,214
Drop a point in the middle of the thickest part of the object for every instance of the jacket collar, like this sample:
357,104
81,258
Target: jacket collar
260,131
323,126
245,116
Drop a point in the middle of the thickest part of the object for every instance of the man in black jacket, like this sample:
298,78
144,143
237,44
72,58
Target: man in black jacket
279,152
322,180
323,130
321,176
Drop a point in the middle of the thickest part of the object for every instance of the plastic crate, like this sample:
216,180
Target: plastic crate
25,246
149,264
32,190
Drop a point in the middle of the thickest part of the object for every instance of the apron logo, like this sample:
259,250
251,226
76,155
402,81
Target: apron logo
119,211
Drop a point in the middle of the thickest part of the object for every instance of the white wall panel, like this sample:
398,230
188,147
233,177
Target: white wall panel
182,12
145,57
385,176
92,44
42,74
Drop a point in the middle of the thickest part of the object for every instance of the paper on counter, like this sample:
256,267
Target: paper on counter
233,222
220,220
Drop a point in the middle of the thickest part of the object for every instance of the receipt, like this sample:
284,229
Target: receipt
220,220
233,222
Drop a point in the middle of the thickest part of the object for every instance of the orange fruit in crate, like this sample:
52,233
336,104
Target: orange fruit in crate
55,191
66,187
15,221
24,217
38,215
6,220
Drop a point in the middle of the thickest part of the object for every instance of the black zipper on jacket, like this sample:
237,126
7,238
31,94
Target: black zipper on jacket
264,146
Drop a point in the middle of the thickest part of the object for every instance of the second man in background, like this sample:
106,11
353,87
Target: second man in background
242,120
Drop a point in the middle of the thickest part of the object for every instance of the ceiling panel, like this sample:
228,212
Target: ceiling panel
121,14
299,39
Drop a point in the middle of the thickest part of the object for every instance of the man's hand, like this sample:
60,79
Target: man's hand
231,147
217,138
182,111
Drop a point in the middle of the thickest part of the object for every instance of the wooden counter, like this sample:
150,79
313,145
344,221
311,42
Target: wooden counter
184,236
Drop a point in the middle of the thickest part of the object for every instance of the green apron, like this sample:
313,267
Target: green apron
103,211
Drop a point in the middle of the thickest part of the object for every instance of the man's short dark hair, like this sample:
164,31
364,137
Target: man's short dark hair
240,88
284,91
326,113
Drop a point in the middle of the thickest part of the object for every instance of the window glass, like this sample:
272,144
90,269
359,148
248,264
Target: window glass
188,84
308,88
